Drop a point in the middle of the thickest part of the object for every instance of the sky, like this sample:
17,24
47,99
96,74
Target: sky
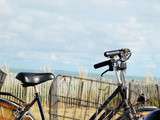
74,34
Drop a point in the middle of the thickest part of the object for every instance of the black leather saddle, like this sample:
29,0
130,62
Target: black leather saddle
32,79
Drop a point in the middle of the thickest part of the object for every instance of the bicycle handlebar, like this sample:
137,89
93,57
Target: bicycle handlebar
102,64
112,53
119,52
123,55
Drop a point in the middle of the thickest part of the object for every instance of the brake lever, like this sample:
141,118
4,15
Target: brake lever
104,72
109,69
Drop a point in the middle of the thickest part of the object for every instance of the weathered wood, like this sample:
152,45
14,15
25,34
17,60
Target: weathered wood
158,94
129,91
80,90
53,101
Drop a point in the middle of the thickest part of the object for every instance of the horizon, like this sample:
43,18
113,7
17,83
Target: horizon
95,74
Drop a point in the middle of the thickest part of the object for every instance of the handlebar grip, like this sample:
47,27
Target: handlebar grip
118,52
102,64
113,53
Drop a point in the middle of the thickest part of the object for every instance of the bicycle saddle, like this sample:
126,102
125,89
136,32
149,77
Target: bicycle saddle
32,79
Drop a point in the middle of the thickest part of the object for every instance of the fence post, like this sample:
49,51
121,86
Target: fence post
80,92
158,95
24,94
53,101
129,91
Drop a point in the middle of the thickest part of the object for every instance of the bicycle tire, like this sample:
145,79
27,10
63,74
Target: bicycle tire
8,110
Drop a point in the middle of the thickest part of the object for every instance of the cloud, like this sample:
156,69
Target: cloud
110,3
4,8
17,26
35,55
78,32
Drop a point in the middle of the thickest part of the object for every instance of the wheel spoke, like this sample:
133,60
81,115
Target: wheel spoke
1,113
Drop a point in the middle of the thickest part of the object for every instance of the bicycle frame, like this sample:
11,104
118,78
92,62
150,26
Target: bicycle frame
9,94
28,106
122,90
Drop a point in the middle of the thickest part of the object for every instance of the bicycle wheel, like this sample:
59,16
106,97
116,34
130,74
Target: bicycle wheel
8,111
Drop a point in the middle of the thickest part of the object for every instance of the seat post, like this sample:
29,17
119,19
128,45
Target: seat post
36,89
37,97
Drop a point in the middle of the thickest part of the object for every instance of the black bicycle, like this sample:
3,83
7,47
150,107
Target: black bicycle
11,110
116,62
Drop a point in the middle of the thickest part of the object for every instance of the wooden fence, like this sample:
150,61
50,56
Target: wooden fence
70,97
77,98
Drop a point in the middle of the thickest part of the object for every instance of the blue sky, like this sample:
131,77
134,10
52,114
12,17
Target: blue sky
73,34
